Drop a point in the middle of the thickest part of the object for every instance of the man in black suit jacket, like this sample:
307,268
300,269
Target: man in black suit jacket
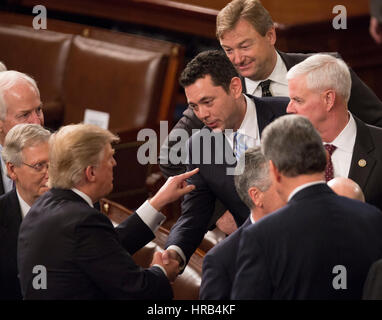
26,154
255,188
320,245
69,250
319,89
214,92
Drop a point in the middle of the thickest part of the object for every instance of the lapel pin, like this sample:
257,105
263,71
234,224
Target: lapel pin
362,163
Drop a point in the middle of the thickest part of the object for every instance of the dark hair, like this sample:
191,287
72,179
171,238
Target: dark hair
294,146
214,63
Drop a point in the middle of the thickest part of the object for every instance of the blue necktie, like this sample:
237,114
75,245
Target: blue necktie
239,145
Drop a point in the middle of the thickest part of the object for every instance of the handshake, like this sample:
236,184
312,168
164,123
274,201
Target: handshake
170,261
174,188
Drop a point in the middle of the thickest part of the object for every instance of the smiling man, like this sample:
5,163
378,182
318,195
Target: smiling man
26,154
19,103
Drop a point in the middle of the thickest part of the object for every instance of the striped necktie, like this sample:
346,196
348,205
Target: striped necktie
239,145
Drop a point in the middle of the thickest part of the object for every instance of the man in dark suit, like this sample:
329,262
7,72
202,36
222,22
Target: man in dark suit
214,93
77,250
255,188
21,103
319,245
26,154
319,88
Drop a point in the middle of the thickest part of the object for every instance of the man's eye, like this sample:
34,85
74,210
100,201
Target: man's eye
23,115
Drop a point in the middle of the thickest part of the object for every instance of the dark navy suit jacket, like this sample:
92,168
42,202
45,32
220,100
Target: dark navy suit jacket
84,255
218,270
212,182
295,252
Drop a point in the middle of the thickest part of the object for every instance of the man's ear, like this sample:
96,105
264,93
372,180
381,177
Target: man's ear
329,98
235,87
90,173
256,196
271,35
11,171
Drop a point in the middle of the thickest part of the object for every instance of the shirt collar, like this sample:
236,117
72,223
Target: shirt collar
346,139
278,74
303,186
23,205
83,196
247,126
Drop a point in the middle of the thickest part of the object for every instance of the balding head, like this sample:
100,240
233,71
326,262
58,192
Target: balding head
347,188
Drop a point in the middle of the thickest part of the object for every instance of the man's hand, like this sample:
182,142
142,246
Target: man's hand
174,188
171,266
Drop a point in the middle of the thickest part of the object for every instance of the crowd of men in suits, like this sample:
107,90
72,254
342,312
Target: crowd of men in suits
292,123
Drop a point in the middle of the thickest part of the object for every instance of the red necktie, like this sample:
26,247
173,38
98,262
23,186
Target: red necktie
329,172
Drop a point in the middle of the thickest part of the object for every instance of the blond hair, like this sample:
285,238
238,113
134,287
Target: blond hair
250,10
72,149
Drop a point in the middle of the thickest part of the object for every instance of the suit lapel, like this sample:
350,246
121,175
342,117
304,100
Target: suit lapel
363,161
264,113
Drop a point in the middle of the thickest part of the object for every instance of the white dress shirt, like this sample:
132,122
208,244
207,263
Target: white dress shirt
249,127
341,157
23,205
278,85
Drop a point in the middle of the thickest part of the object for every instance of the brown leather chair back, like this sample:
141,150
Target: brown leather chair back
123,81
41,54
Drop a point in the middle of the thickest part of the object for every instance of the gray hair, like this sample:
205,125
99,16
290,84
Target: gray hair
7,80
324,72
22,136
72,149
294,146
256,174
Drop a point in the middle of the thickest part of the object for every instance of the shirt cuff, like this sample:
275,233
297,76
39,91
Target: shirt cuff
150,216
160,267
180,252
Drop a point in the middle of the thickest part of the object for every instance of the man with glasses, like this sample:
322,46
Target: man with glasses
19,103
26,155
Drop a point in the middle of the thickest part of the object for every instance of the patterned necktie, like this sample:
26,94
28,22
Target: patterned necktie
239,145
329,172
265,88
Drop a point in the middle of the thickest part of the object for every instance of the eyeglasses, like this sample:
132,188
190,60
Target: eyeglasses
38,166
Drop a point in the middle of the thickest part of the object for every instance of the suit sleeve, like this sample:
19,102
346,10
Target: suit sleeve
101,256
216,284
174,145
197,210
252,280
134,234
